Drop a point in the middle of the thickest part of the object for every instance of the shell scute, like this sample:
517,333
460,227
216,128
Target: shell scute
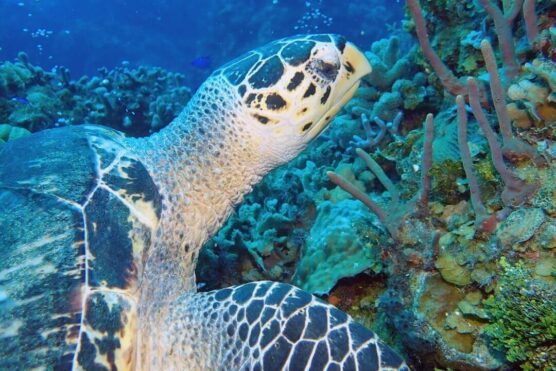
76,214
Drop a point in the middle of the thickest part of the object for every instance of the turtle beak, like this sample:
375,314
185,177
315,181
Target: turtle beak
354,65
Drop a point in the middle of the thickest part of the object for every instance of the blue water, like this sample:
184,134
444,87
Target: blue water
88,34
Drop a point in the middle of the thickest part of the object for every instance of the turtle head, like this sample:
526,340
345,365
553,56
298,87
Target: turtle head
289,90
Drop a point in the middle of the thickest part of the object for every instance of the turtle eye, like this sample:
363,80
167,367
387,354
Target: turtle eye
325,69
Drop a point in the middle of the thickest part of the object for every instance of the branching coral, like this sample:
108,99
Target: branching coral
516,191
448,79
373,138
397,213
503,22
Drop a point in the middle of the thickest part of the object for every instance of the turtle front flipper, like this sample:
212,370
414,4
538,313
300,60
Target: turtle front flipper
267,326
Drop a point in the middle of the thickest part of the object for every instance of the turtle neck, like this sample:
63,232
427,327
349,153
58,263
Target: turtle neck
203,163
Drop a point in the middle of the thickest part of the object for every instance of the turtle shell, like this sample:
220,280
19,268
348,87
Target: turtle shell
77,211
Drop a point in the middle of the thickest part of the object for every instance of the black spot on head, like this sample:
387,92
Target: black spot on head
275,101
311,90
349,67
262,119
250,98
297,52
327,71
326,95
340,42
236,70
307,126
242,90
296,80
269,74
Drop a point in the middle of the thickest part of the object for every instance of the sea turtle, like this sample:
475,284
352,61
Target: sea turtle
100,233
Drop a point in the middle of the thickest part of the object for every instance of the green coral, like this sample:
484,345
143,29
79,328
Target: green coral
523,318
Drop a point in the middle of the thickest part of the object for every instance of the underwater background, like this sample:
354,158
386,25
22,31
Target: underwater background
450,257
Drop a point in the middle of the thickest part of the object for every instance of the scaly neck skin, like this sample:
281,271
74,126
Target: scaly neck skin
204,162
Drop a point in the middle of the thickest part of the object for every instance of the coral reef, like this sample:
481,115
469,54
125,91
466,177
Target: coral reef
444,218
137,101
416,230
